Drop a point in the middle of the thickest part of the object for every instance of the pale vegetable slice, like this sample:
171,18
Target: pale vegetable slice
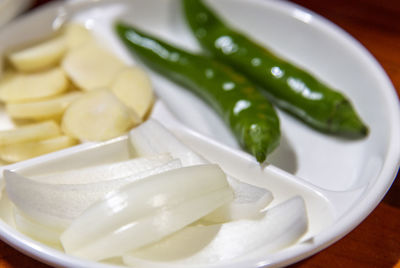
105,172
76,35
33,86
280,227
31,132
6,209
91,66
96,116
41,56
25,150
7,73
56,205
133,87
151,137
45,109
145,211
151,229
248,203
39,232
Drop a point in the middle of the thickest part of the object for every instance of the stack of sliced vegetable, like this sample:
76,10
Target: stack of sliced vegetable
166,205
73,85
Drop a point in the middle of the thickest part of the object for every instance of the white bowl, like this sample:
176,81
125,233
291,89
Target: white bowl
10,9
342,181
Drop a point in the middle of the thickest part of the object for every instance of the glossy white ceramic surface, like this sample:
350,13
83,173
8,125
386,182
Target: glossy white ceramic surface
342,181
11,8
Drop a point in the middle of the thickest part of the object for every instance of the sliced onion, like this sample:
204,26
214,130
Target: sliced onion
249,201
281,226
39,232
146,211
56,205
151,137
105,172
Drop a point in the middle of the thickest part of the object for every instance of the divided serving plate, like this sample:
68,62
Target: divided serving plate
341,180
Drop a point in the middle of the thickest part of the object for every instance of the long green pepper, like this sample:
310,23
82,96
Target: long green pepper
286,85
248,113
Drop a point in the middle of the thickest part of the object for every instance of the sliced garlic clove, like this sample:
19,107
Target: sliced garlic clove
97,116
31,132
21,151
33,86
91,66
76,35
39,57
45,109
133,87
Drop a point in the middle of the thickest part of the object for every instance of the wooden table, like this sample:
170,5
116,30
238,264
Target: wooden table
376,241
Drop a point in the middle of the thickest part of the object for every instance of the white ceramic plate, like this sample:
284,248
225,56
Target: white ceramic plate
11,8
342,181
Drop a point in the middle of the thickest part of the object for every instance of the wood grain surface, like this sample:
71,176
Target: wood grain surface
376,241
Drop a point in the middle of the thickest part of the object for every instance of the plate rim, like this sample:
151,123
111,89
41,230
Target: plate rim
375,191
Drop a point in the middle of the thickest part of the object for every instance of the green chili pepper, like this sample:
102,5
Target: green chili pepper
248,113
287,86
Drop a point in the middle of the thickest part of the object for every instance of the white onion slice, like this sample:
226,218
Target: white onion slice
146,211
249,201
151,137
39,232
280,227
105,172
56,205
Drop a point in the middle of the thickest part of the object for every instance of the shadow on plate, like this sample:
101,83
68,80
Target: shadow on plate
284,156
